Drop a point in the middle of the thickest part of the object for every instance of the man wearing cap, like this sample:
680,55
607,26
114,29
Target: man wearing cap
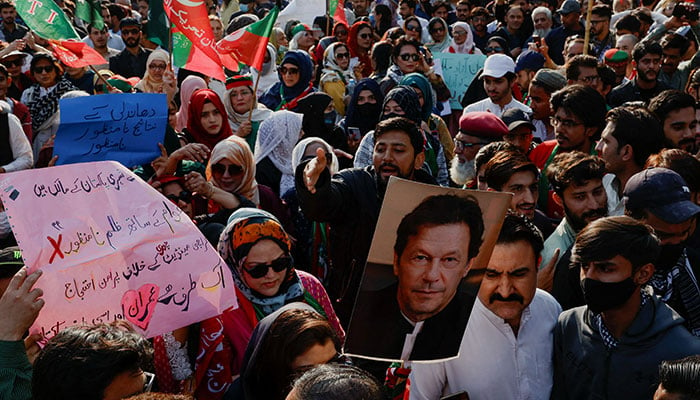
545,82
498,76
527,64
520,130
618,60
611,347
18,81
660,198
570,12
476,129
132,60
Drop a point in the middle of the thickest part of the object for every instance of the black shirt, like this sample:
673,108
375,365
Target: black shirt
129,65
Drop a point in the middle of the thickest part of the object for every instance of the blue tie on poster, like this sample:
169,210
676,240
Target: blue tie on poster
118,127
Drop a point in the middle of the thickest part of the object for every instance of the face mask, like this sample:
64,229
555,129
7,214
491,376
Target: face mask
329,118
368,110
670,253
243,7
602,296
390,115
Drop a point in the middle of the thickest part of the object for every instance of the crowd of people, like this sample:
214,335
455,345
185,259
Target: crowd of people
588,117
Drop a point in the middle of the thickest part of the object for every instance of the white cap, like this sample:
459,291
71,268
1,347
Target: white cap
497,65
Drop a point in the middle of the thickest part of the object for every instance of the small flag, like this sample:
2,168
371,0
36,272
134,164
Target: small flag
248,45
90,12
76,54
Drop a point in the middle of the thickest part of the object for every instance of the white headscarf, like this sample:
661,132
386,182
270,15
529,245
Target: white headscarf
331,70
276,139
269,75
260,112
468,46
300,149
148,84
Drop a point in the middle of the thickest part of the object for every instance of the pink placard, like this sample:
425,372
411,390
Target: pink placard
112,247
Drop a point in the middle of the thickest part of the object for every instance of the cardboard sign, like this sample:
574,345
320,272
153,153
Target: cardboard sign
111,247
119,127
458,72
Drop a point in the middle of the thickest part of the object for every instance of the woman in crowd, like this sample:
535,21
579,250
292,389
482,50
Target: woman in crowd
284,344
337,79
239,101
190,85
437,27
320,119
381,60
462,39
497,45
295,74
383,19
156,66
413,29
302,38
269,75
42,98
217,27
363,112
206,122
276,139
360,39
257,250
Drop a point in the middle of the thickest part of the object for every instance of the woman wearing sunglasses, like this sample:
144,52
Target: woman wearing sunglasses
462,39
295,74
337,79
257,250
439,35
42,97
360,40
413,29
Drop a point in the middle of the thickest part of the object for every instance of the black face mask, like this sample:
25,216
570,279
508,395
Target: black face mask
670,253
368,110
390,115
603,296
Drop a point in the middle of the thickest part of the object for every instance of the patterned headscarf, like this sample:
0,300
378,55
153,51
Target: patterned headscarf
331,70
236,150
407,99
418,80
194,122
246,227
277,137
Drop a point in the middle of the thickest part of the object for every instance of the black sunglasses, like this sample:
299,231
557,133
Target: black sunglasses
494,49
406,56
221,169
365,35
184,196
342,55
413,28
290,70
47,69
260,270
14,63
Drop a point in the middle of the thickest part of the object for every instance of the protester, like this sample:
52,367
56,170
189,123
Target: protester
189,85
205,122
337,78
132,60
462,40
295,74
273,150
336,382
241,103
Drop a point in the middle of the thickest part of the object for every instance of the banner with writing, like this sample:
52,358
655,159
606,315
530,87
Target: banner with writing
111,248
458,71
125,127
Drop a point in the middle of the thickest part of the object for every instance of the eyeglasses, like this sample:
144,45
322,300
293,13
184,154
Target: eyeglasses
496,49
232,169
566,123
47,69
436,30
459,33
590,79
14,63
409,56
259,270
479,19
157,67
461,145
342,55
364,35
600,21
290,71
148,382
130,31
184,196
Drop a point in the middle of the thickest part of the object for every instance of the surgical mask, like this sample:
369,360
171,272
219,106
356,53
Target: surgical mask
603,296
670,253
243,7
329,118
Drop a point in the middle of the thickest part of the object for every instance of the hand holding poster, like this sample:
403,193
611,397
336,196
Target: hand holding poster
120,127
111,247
458,71
427,258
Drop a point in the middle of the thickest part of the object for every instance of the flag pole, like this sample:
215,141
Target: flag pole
255,91
102,78
587,36
328,17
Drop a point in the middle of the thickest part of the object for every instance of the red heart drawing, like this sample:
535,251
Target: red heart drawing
138,305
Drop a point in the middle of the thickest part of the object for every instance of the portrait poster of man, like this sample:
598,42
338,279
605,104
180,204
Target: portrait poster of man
425,264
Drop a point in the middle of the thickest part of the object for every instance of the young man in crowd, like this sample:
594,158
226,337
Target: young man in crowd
498,76
570,12
676,111
131,61
645,85
544,83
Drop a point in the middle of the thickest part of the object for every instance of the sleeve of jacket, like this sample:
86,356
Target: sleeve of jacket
15,371
332,198
558,387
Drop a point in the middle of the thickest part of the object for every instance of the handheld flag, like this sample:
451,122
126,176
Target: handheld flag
90,12
248,45
76,54
46,19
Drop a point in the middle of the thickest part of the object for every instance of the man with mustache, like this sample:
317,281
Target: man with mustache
351,200
132,60
509,336
611,347
577,180
660,198
423,315
645,85
676,111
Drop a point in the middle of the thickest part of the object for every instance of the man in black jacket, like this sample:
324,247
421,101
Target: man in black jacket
351,201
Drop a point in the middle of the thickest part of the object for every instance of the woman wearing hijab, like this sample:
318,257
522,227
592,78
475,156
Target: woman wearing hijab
312,245
190,85
362,113
319,119
295,74
337,79
239,100
42,98
206,122
257,250
269,75
360,40
276,139
462,39
156,65
439,35
292,339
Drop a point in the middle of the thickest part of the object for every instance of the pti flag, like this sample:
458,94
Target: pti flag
90,11
336,9
46,19
76,54
248,45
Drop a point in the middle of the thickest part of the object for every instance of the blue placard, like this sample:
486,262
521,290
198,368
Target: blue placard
123,127
458,71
